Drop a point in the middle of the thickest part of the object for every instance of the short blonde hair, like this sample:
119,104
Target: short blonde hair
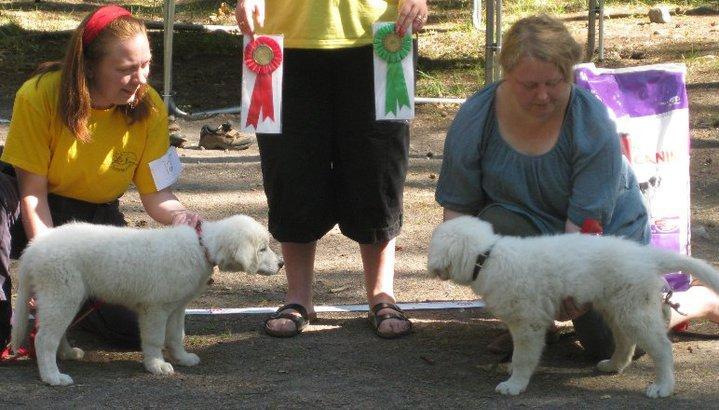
542,37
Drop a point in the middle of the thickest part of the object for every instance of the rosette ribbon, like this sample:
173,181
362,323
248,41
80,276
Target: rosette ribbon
392,48
262,56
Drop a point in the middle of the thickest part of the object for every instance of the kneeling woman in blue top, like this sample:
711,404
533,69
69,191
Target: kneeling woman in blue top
534,155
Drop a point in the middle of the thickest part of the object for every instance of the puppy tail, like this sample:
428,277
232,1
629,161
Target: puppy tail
673,262
20,318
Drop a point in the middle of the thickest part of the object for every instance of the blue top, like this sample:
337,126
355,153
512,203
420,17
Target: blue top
584,176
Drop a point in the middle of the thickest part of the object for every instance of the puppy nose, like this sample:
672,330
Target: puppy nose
280,264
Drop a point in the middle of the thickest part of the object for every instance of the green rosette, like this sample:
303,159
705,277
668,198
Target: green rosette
392,48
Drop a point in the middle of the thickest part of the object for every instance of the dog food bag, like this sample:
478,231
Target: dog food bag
650,107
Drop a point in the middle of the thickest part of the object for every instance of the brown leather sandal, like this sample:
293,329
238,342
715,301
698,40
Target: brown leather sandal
300,321
376,320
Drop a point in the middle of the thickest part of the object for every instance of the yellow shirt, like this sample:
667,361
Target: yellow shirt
98,171
326,24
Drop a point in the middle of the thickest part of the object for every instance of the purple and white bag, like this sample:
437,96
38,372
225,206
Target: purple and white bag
650,107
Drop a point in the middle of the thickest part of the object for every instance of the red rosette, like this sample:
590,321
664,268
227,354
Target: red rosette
262,56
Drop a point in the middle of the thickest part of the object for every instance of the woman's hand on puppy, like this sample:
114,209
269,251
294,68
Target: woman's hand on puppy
185,217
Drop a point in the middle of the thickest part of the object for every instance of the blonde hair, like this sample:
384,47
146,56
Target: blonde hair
542,37
74,102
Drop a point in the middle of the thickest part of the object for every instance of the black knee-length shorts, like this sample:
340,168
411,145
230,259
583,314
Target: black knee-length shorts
333,163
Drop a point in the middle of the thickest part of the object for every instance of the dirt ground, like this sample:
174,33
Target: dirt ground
338,362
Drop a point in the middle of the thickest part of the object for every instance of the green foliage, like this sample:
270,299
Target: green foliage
522,8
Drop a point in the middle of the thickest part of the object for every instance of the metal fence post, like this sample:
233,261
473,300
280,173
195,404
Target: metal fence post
492,40
596,8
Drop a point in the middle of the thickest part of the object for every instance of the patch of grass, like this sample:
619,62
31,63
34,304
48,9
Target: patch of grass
523,8
696,55
702,64
458,84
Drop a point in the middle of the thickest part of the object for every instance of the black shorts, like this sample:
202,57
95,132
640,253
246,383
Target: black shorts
333,163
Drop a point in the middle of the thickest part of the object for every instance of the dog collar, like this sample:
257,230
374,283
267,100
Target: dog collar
198,230
481,259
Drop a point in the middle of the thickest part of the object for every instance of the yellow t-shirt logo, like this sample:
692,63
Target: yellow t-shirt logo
121,161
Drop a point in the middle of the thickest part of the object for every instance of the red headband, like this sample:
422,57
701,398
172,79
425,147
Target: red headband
100,19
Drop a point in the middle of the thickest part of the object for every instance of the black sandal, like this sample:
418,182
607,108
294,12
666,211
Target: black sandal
300,321
376,320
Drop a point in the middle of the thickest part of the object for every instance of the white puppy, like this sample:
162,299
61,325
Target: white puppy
154,272
524,280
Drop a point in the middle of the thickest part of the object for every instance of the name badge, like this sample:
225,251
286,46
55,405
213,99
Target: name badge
166,169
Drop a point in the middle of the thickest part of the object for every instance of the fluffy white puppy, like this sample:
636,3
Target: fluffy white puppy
524,280
154,272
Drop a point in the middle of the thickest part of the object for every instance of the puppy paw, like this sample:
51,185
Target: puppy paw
187,359
510,388
57,379
656,390
159,367
72,354
606,366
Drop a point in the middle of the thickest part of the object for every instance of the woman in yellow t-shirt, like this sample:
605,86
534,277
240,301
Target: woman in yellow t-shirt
333,164
82,130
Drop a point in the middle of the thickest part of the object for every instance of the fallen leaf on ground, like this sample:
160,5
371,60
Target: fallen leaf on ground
340,289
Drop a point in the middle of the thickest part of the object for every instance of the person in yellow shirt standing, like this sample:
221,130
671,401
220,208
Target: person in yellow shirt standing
333,163
82,131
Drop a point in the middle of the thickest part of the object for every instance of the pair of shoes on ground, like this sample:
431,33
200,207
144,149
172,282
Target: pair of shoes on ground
224,137
299,316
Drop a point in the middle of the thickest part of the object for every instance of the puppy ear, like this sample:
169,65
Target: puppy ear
437,255
222,256
445,250
245,259
233,253
460,249
464,260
